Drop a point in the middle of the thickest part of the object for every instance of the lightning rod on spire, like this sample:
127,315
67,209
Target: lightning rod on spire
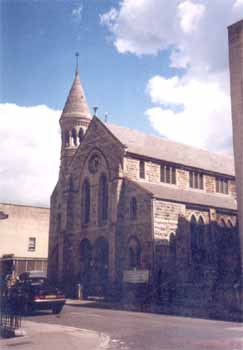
77,56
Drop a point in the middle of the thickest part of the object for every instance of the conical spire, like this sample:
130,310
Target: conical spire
76,105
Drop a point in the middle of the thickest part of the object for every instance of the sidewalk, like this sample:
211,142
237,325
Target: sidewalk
173,309
41,336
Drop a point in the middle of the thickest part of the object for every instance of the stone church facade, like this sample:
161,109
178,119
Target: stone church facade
141,217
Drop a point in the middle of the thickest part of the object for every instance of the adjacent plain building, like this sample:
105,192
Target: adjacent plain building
23,238
141,217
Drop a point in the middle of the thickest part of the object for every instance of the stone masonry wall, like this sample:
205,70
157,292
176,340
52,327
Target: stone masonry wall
166,216
139,227
182,179
152,174
96,142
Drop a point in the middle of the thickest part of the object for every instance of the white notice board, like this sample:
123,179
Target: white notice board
135,276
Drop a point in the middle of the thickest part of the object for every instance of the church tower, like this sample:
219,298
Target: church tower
74,121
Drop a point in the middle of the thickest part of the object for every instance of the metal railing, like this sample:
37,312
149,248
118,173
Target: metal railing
10,308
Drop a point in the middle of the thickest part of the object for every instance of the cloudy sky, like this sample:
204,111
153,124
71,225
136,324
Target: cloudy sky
155,65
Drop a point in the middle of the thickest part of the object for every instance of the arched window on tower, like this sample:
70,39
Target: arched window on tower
66,138
74,136
103,199
80,134
86,202
133,208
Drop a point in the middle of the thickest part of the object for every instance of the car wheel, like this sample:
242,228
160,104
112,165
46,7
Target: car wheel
56,309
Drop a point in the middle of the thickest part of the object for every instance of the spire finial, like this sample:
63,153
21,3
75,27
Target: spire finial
95,110
77,56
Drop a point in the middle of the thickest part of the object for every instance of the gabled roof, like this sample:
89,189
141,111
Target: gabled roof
76,104
163,149
189,196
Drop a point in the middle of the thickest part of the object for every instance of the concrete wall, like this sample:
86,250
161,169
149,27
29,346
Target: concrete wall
24,222
236,74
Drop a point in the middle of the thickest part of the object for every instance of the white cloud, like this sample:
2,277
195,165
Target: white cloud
238,4
193,107
29,158
196,29
77,13
194,111
136,25
190,15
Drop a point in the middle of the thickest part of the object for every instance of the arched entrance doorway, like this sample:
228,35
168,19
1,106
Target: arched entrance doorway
101,264
86,267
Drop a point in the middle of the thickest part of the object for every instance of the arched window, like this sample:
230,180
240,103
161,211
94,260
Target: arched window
86,253
70,208
80,134
142,169
229,224
197,246
193,227
133,208
86,202
201,229
222,223
134,253
74,137
70,184
66,138
172,246
103,199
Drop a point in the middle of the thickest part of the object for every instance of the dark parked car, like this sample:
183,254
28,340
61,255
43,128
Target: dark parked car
38,293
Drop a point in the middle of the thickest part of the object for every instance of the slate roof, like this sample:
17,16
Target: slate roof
170,151
76,104
189,196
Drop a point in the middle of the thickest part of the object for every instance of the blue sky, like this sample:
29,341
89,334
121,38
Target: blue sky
155,65
39,42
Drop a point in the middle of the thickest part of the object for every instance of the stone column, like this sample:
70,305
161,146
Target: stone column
235,35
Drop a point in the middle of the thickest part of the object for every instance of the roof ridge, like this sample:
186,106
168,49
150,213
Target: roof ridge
161,138
163,149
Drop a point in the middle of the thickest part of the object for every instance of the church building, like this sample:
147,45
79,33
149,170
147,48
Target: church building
141,217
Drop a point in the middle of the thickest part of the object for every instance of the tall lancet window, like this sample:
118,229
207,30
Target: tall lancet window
74,137
66,138
86,202
80,135
103,199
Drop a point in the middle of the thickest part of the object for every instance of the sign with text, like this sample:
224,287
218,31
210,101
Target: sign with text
135,276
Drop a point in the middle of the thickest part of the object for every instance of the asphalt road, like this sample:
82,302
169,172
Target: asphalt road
141,331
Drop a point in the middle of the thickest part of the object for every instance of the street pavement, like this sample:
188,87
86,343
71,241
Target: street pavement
44,336
128,330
